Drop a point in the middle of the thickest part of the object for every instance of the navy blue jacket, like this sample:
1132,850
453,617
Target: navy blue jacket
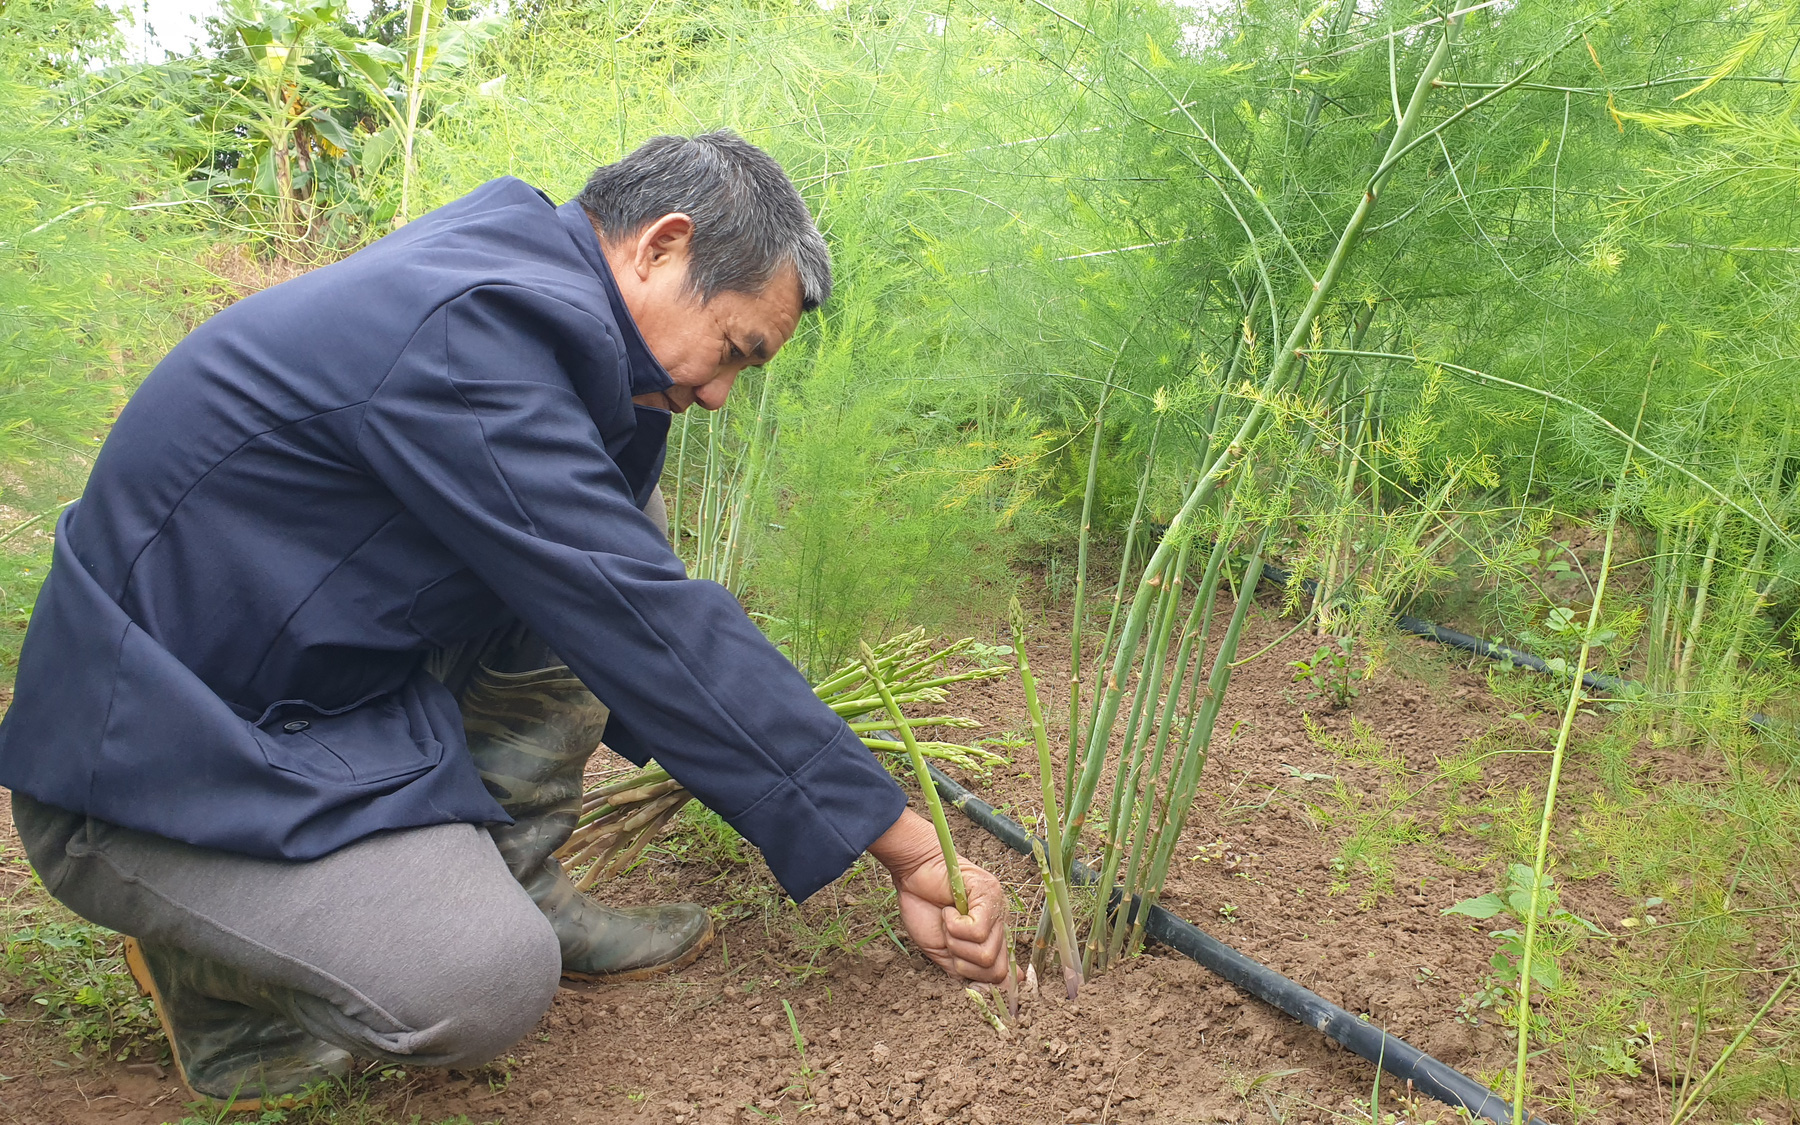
406,449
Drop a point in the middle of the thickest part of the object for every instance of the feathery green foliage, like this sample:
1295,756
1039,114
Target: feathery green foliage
1406,370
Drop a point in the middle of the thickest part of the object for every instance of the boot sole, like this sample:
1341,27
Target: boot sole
140,973
650,972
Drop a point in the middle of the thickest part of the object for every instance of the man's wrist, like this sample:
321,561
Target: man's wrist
908,843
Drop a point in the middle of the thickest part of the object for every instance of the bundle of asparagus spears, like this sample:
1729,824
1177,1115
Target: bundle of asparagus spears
622,815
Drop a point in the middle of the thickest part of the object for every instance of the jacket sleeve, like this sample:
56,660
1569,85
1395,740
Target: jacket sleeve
480,434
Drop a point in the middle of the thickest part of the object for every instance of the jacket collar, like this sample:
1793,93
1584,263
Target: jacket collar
647,372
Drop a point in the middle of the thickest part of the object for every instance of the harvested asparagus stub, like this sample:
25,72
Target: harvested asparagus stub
623,815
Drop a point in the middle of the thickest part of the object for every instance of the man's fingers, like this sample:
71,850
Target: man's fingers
971,941
977,940
974,926
980,973
988,972
970,946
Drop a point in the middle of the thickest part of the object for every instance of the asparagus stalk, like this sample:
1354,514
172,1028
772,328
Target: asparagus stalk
1200,740
958,892
1541,857
1281,373
621,817
1081,570
1050,867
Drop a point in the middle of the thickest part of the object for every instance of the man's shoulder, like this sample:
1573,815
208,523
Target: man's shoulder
505,232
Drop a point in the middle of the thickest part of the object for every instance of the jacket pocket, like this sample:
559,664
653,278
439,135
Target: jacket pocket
371,742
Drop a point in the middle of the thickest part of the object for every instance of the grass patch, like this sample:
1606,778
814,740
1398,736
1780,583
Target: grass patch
1692,852
59,971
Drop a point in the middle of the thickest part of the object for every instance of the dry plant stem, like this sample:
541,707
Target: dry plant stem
1540,859
957,890
1050,867
1280,374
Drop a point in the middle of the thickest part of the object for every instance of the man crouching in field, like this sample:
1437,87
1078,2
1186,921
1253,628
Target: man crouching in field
362,574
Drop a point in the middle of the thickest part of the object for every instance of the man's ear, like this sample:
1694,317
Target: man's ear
664,242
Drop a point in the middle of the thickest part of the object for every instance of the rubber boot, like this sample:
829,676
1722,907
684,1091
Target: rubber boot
531,734
229,1054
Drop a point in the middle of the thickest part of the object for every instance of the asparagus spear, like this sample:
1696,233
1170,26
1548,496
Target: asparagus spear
958,891
1050,867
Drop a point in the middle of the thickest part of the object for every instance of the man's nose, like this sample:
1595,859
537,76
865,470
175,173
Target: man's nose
712,395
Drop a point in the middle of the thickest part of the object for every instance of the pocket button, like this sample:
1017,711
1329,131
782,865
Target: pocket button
296,726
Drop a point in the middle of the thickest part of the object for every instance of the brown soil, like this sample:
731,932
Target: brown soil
890,1039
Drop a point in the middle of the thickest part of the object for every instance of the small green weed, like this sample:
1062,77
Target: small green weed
700,836
1560,930
1363,745
1332,673
73,974
358,1100
1377,825
805,1077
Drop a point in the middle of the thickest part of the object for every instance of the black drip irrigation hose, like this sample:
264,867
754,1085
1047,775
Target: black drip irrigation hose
1396,1056
1505,654
1612,685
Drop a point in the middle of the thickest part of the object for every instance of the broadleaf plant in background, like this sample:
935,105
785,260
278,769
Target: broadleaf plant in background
323,112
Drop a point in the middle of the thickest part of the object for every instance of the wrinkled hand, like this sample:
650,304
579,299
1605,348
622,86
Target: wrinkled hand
972,947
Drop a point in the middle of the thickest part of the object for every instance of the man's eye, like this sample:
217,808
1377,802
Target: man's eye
735,353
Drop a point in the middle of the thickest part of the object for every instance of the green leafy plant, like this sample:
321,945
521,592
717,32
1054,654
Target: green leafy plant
324,110
1514,900
1331,673
73,975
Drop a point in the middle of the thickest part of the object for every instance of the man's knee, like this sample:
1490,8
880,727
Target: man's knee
482,995
45,831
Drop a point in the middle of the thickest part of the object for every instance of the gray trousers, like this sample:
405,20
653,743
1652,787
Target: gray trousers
415,946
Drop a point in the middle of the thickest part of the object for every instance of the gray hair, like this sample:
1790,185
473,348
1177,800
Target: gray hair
749,220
